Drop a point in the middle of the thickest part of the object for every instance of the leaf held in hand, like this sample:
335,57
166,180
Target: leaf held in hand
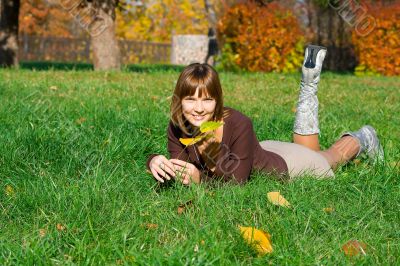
354,247
276,198
258,239
210,125
190,141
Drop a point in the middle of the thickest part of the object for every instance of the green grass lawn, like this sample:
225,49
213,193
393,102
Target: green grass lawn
74,188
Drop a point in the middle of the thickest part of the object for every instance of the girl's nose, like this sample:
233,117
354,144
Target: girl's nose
198,106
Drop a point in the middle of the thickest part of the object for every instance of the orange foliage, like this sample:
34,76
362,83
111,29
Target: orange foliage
39,17
262,38
378,52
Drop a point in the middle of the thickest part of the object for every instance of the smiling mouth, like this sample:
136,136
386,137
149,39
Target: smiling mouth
198,117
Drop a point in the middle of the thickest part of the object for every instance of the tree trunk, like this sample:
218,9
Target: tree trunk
9,11
213,49
105,48
106,53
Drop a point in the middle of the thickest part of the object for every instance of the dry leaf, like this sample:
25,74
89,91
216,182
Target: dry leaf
210,126
182,208
354,247
9,191
294,109
190,141
276,198
60,227
151,226
42,232
328,210
202,242
260,240
80,121
53,88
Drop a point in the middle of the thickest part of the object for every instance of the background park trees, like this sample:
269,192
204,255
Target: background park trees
9,10
331,23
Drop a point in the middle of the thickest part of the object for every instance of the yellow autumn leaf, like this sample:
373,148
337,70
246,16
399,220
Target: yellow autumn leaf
328,210
258,239
276,198
9,191
209,126
190,141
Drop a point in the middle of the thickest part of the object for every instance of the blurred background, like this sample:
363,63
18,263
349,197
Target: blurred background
362,37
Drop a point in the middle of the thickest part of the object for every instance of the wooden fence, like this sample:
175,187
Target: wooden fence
56,49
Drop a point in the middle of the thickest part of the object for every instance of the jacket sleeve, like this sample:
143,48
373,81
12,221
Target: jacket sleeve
176,149
236,162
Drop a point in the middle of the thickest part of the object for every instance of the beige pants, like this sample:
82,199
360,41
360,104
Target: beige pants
300,159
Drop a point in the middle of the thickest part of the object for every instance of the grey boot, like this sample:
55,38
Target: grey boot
306,121
369,143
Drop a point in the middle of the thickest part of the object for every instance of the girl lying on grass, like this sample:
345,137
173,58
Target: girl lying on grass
233,151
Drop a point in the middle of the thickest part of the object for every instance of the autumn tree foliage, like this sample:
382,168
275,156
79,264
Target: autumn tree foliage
378,51
261,37
158,20
45,18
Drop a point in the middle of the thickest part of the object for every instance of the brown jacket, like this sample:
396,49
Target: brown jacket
240,151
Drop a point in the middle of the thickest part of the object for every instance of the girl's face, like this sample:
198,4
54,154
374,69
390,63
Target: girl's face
198,110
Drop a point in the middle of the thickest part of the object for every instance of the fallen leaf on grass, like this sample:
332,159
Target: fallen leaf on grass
60,227
354,247
294,109
276,198
42,232
328,210
356,161
258,239
130,259
182,208
151,226
9,191
53,88
80,121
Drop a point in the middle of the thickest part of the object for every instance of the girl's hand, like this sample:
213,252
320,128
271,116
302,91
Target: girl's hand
188,171
162,168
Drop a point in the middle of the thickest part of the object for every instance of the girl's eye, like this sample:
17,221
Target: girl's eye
209,99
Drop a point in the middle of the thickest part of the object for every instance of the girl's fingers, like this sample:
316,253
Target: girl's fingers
169,164
185,181
163,172
168,169
156,176
178,162
183,170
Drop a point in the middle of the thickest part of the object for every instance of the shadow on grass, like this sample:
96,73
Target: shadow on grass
43,65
